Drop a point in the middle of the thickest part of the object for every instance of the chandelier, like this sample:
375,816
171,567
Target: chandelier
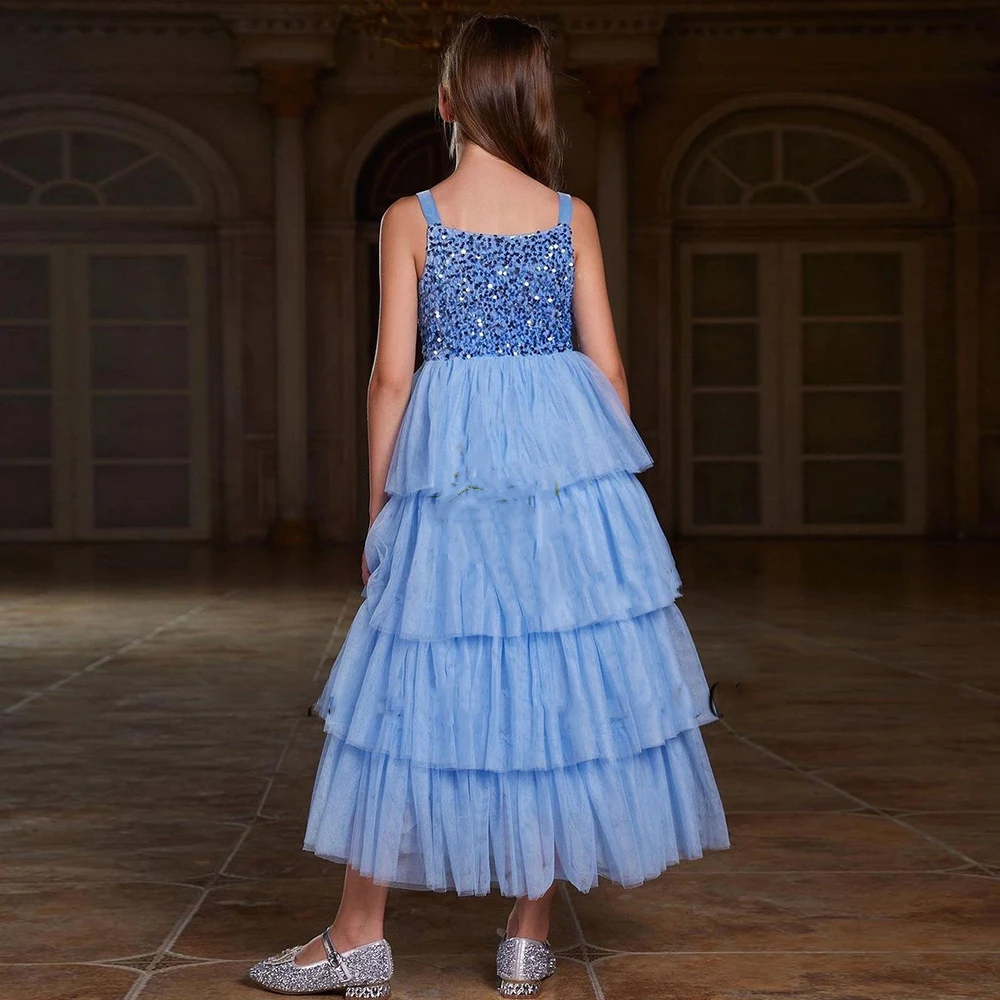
418,25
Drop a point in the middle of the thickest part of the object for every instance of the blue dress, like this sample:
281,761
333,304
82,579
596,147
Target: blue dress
518,698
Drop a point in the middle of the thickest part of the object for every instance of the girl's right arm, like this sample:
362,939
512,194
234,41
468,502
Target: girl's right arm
392,373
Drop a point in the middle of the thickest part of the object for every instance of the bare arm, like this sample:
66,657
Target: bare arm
392,373
591,308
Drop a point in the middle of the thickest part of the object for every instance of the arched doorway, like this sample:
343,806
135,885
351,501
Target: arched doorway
805,238
104,420
410,157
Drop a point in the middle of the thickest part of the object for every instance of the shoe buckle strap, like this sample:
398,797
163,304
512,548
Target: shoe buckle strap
332,954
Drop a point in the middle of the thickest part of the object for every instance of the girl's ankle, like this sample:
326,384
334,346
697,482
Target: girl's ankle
518,927
348,936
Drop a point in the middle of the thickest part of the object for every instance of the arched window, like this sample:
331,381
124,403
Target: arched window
800,312
796,167
80,168
103,394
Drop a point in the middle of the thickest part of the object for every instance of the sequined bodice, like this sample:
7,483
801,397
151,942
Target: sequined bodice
487,294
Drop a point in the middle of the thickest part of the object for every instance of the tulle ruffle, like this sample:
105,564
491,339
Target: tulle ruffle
410,826
518,698
543,700
533,422
488,564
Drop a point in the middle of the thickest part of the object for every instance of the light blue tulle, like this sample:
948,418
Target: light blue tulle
512,423
418,827
518,698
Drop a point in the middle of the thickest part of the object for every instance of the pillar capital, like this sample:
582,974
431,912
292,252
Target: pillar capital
626,33
612,89
288,54
289,89
609,49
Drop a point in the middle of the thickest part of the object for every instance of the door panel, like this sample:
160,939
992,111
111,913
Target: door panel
727,386
801,389
852,389
140,450
27,395
103,429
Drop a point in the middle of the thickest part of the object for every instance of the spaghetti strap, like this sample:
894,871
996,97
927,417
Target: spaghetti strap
565,207
429,207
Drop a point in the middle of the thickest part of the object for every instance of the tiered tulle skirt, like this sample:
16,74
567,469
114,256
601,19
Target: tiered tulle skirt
518,699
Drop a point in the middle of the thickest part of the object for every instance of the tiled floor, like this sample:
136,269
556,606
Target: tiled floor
156,766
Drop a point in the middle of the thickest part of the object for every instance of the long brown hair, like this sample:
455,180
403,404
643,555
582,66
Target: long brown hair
497,72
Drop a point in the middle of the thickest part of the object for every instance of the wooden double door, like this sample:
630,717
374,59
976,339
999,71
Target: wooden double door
103,417
801,389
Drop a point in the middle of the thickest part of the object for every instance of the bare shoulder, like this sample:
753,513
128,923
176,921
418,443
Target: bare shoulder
582,212
403,215
584,224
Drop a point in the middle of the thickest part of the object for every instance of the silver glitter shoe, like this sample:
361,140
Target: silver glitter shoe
364,971
522,963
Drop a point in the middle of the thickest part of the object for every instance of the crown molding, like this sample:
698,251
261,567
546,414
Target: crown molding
612,10
619,26
226,9
32,22
620,19
832,26
286,24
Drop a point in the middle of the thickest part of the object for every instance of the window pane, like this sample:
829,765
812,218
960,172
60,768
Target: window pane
846,353
141,287
25,426
711,185
811,156
152,183
13,191
37,155
874,182
95,156
141,427
852,284
68,194
726,493
749,156
24,357
863,492
724,354
852,423
724,285
25,497
24,287
780,194
139,357
725,423
141,496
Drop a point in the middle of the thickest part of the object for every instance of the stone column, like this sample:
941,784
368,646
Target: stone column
612,92
288,55
289,90
608,49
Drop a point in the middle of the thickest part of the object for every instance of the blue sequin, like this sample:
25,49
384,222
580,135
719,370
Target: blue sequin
494,294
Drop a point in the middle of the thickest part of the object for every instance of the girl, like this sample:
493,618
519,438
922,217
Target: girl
518,699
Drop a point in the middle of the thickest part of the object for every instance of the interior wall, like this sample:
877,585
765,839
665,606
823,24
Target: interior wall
187,72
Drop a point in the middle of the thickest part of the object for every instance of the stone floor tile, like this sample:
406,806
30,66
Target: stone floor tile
76,847
64,982
824,841
974,834
88,923
765,976
795,912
